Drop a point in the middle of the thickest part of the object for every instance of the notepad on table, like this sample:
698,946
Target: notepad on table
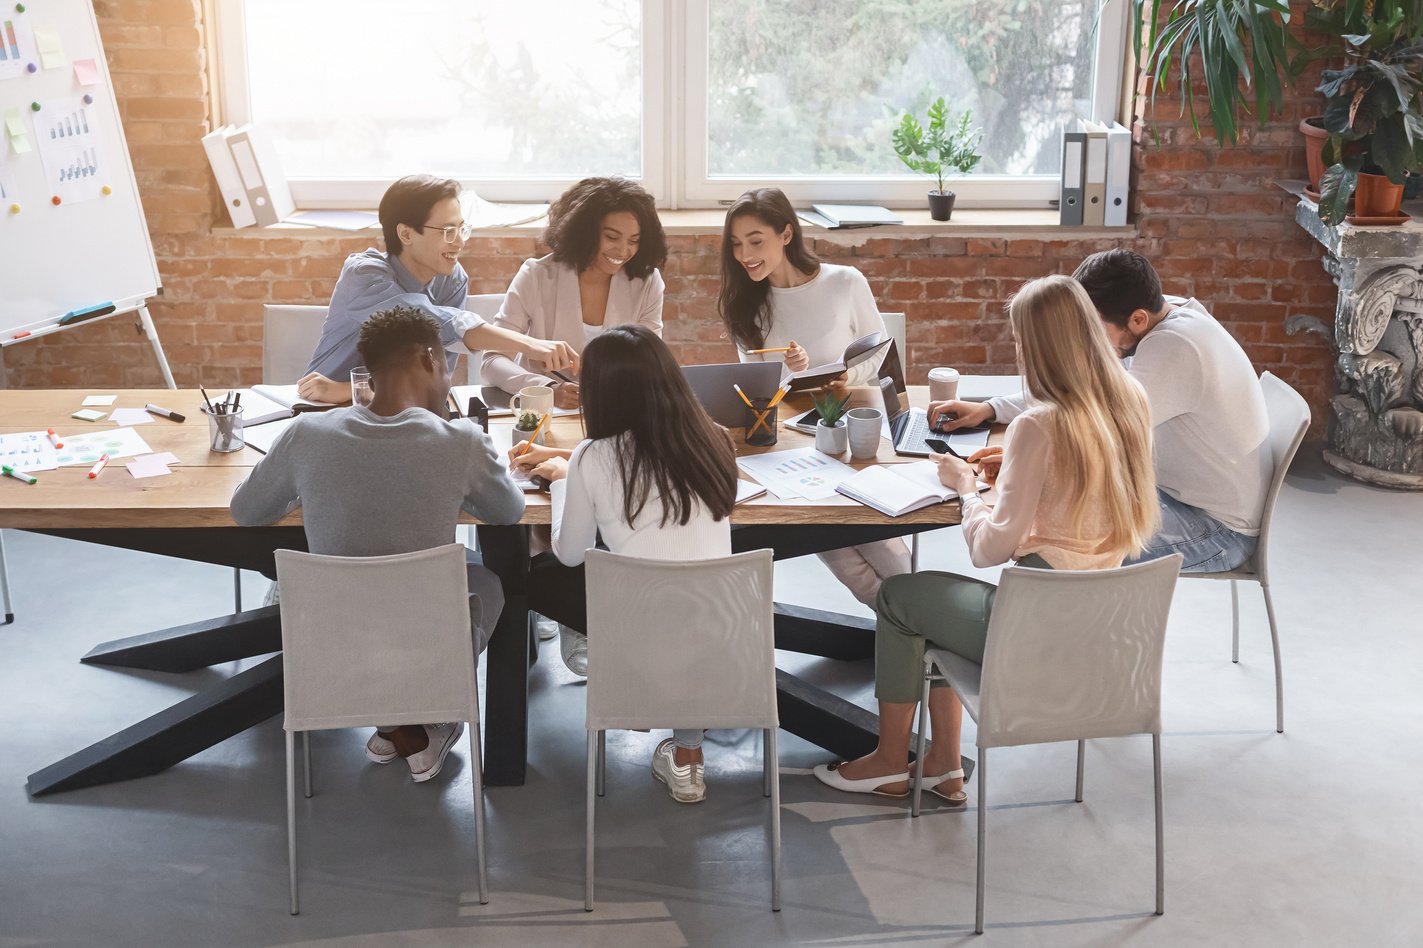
284,396
898,489
746,490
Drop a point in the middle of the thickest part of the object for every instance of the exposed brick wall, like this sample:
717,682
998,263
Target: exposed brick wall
1210,219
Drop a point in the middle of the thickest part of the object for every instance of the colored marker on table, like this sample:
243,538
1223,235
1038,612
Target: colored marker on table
54,439
18,475
94,471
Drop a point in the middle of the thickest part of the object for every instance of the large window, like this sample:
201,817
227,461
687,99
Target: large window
698,98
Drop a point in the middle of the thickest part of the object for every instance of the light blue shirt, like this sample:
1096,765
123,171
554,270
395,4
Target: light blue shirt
372,281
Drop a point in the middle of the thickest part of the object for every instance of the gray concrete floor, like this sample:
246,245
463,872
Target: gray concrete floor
1311,837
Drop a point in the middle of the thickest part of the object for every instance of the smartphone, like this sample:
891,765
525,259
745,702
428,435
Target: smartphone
942,447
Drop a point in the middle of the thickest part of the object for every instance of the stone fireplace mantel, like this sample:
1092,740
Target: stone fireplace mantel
1376,418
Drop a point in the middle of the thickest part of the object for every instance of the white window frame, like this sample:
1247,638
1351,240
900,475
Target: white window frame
674,140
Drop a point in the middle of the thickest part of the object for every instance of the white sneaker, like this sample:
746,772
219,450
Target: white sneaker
574,646
686,783
546,628
273,596
380,750
427,763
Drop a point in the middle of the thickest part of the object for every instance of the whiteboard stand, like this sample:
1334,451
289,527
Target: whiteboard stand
144,326
5,583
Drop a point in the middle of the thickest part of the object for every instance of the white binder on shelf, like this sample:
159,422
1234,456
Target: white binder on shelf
1094,179
261,172
229,183
1118,175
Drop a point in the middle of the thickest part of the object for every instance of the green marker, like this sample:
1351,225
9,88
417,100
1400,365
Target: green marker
19,475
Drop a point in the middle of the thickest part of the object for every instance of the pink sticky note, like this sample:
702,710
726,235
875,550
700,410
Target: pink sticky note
86,71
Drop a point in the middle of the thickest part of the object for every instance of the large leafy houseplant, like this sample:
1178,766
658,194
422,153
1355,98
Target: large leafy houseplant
1373,106
1245,56
939,148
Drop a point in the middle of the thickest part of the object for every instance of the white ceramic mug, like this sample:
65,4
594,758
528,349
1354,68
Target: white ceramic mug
534,398
943,384
866,426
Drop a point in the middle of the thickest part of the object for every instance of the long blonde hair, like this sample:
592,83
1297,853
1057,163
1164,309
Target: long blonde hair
1098,415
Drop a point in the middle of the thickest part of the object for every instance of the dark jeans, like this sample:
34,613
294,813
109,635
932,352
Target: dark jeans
558,591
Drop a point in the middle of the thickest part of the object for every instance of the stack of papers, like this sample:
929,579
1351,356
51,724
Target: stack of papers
152,465
836,216
800,472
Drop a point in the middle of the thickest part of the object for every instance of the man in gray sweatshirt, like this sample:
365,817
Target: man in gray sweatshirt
391,478
1213,462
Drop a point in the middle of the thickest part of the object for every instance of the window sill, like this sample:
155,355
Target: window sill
1037,224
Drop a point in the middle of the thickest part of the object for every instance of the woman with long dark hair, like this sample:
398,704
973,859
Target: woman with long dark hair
656,478
607,245
776,293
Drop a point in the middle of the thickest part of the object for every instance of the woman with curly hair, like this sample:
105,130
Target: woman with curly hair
607,246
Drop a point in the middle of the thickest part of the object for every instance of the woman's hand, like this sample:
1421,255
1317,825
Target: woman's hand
519,459
956,473
315,387
838,385
989,461
553,354
958,414
797,359
565,395
554,469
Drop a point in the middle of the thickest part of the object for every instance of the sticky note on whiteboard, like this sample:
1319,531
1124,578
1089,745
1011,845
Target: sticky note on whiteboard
86,71
50,48
16,131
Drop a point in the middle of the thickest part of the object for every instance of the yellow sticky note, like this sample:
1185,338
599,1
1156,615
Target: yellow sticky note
86,71
15,128
51,50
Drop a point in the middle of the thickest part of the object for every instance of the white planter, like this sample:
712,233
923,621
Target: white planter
832,439
522,434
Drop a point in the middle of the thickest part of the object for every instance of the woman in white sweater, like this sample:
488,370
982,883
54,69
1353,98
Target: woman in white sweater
607,245
656,479
1076,490
775,293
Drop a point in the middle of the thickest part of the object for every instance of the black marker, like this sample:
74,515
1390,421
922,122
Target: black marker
164,412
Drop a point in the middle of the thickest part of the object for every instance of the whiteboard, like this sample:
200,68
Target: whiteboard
87,250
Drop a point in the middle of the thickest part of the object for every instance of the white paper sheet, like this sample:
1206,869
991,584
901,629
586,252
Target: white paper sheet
798,472
98,401
86,448
28,451
72,145
130,416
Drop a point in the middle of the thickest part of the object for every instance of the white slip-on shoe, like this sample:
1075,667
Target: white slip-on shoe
427,763
545,628
829,774
380,750
574,646
686,782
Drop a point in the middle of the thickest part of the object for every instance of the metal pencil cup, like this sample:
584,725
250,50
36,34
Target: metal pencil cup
225,431
761,422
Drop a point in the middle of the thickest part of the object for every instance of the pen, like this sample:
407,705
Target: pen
153,409
535,436
18,475
760,351
236,401
54,439
94,471
211,410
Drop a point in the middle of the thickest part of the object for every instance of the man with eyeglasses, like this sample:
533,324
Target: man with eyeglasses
424,235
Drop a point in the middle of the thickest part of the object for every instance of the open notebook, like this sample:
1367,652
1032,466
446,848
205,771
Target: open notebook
264,403
897,489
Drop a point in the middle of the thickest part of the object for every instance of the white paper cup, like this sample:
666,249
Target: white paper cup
866,426
943,384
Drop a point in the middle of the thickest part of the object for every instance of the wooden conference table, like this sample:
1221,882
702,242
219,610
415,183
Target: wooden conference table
186,514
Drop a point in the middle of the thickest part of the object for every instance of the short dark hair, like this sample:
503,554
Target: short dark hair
395,335
575,224
673,454
1120,282
408,201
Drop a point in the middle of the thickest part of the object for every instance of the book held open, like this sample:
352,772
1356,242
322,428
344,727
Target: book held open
898,489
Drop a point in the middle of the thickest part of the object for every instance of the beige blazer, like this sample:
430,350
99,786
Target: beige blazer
543,302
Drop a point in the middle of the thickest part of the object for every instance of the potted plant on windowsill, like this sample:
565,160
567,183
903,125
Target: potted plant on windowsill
831,434
941,149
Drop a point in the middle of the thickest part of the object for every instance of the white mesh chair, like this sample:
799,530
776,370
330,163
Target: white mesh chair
1289,419
487,306
377,640
683,645
1070,655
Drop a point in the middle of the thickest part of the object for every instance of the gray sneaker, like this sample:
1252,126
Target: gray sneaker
574,646
427,763
686,783
546,628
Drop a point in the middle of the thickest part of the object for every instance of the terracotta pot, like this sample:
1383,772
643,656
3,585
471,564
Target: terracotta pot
1376,196
1314,138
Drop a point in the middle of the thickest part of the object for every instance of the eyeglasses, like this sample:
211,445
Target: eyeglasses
452,233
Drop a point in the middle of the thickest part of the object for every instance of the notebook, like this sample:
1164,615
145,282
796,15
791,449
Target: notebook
897,489
286,395
857,215
861,350
747,490
261,437
258,409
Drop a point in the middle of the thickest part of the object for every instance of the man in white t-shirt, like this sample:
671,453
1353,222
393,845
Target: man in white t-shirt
1213,462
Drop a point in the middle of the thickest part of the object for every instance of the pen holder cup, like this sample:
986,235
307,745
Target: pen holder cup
225,433
761,427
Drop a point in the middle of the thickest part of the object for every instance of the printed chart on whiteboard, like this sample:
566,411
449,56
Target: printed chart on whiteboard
16,45
73,150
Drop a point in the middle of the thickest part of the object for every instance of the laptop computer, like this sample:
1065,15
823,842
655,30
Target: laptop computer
712,384
909,427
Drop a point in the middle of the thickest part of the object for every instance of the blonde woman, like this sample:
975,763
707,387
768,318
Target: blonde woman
1076,490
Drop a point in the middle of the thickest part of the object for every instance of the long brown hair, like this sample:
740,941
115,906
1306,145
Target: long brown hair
745,304
631,386
1100,422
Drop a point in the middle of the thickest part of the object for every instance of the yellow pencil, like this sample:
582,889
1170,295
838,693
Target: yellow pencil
534,437
743,396
780,394
760,351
